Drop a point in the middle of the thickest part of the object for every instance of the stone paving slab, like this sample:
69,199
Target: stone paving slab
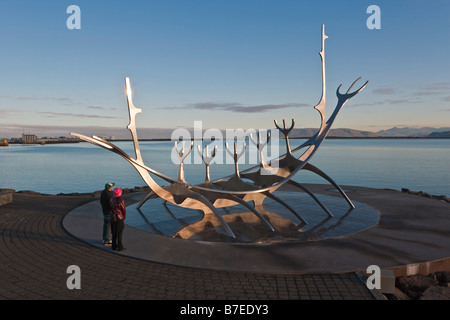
36,250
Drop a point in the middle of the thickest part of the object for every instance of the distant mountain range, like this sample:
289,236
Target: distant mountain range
155,133
393,132
341,133
444,134
166,133
416,132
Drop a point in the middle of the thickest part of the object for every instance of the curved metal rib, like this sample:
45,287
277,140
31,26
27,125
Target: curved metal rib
144,200
272,196
256,212
312,195
319,172
211,207
151,225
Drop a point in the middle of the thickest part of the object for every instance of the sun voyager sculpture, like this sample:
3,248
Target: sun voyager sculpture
247,187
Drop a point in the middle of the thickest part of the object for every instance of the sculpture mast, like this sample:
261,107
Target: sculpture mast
322,105
132,110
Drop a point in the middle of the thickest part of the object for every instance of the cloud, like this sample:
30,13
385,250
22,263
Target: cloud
26,98
213,106
67,101
268,107
100,108
440,86
417,90
426,93
237,107
446,98
384,102
436,88
76,115
384,91
4,112
9,112
398,101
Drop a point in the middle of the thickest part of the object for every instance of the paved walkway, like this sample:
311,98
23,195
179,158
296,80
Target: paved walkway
35,252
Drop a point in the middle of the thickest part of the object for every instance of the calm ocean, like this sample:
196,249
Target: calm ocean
416,164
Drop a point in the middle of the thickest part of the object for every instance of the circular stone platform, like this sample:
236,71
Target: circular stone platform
387,228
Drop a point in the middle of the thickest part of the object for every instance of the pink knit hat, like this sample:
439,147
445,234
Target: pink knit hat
117,192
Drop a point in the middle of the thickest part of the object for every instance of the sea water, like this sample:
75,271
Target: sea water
416,164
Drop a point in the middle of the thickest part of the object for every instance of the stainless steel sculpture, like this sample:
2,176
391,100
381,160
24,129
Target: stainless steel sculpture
233,190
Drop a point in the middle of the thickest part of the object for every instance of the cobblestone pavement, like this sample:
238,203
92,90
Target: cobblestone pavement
35,252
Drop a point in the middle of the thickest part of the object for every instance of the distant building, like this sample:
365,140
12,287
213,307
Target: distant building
29,138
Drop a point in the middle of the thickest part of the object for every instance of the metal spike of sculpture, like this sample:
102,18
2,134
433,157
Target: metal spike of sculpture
233,190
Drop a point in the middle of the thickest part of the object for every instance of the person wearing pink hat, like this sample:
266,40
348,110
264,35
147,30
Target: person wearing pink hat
117,225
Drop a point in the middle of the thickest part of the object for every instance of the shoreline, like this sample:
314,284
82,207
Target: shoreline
170,139
73,194
443,198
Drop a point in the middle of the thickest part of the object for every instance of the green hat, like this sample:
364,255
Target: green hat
109,185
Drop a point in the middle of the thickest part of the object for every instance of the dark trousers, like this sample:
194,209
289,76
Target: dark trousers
117,231
107,227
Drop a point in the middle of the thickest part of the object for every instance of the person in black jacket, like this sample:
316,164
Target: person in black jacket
105,198
119,212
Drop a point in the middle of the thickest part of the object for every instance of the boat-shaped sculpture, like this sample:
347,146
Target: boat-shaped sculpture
247,187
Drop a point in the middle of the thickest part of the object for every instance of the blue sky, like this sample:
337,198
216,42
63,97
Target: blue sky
229,64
